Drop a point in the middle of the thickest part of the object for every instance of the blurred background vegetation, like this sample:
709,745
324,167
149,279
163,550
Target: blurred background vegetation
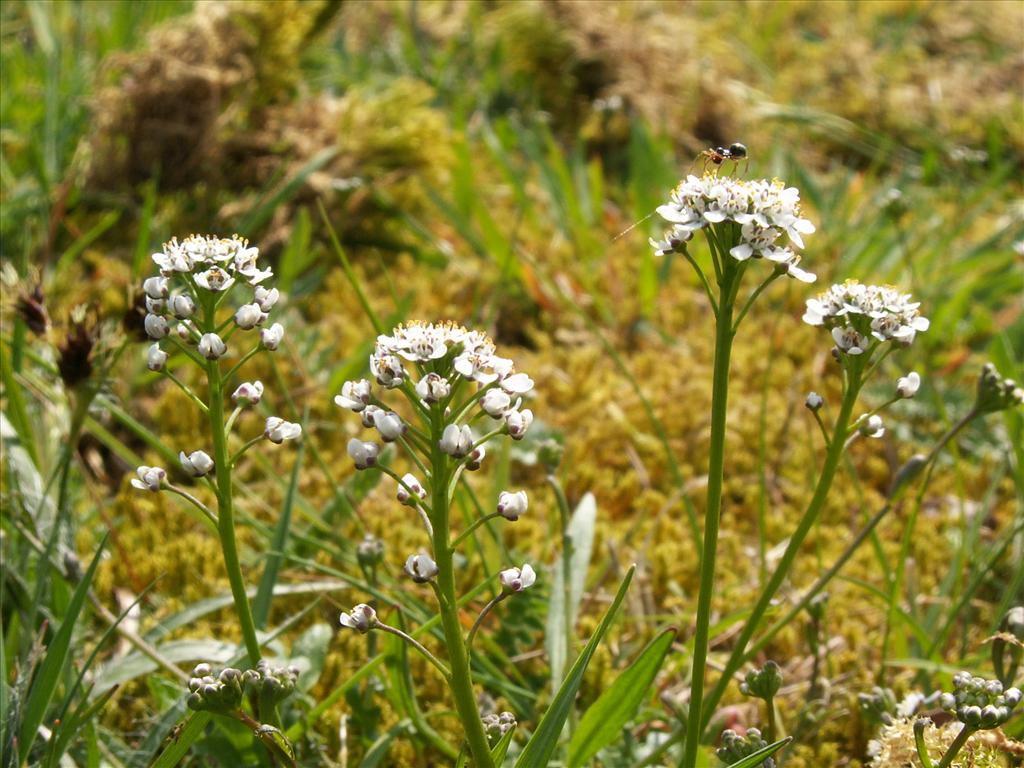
477,161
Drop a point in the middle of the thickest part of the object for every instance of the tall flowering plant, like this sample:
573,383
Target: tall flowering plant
743,222
195,318
458,396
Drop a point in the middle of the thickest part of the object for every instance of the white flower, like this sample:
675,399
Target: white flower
457,441
271,337
765,211
211,346
197,463
849,340
869,310
173,259
511,505
387,369
907,386
362,619
156,306
814,401
433,388
149,478
266,299
248,393
518,579
421,568
496,403
278,430
413,485
363,454
249,316
517,384
872,427
183,306
156,326
390,426
156,358
214,279
518,422
355,395
155,287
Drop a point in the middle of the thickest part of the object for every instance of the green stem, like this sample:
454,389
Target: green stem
420,648
225,513
958,743
828,472
472,527
461,676
712,512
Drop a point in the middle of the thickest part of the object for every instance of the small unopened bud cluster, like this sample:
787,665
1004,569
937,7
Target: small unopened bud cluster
497,725
370,551
996,393
979,703
878,706
762,683
735,747
224,692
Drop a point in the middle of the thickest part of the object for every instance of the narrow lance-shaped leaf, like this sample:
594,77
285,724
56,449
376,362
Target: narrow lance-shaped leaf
604,721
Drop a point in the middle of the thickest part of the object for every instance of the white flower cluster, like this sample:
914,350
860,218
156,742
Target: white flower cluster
205,265
855,313
457,356
764,210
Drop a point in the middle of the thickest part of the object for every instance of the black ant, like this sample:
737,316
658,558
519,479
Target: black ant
718,155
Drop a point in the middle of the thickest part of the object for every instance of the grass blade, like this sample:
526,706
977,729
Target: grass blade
49,674
542,744
757,758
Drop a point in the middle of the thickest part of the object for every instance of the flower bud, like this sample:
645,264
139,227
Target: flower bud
390,426
512,505
433,388
814,401
370,551
518,422
155,287
496,403
211,346
907,386
362,619
278,430
156,326
264,298
249,316
271,337
414,486
421,568
456,441
156,358
872,426
355,395
149,478
476,458
762,683
197,463
182,306
248,393
517,579
363,454
156,306
184,330
369,414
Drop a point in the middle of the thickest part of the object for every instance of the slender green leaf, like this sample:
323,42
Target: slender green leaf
542,744
183,740
265,593
604,721
499,750
47,678
757,758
